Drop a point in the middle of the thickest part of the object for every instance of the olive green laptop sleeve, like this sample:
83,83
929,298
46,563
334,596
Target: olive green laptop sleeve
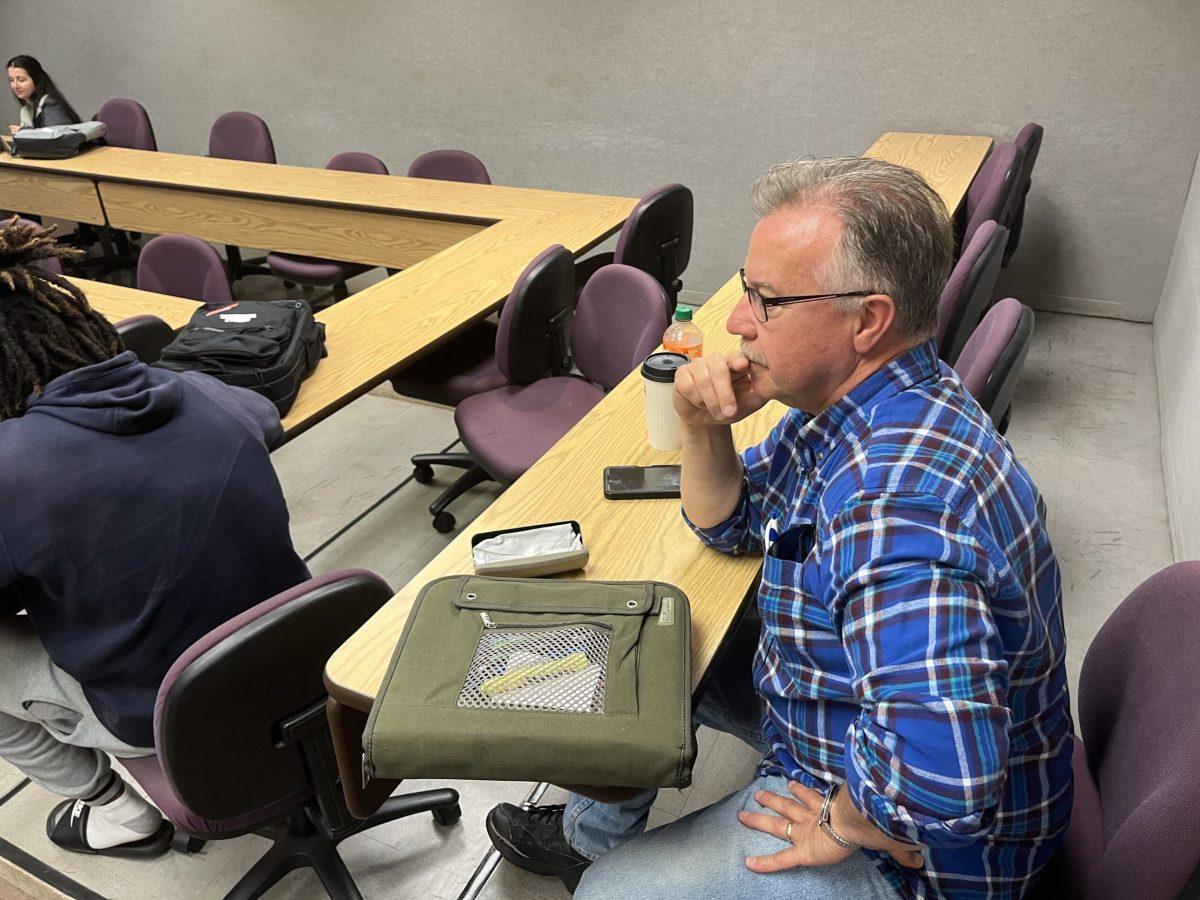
515,679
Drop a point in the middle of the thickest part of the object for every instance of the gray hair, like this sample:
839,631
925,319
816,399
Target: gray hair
896,236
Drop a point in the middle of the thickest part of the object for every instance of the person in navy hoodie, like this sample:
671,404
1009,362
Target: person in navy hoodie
138,511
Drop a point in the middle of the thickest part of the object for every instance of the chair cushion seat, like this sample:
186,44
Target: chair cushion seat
463,366
308,269
510,428
153,780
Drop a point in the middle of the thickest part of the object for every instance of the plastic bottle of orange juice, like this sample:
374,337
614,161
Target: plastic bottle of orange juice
683,335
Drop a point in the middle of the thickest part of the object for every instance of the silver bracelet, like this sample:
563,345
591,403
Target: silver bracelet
823,822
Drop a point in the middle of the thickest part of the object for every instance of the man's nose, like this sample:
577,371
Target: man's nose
741,321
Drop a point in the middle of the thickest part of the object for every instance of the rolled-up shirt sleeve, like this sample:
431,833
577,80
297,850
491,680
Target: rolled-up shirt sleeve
926,759
741,533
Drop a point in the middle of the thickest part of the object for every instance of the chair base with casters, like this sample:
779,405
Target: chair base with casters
308,836
423,463
231,761
240,268
118,252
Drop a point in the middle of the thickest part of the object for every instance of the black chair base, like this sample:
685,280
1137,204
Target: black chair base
118,252
303,840
240,268
423,464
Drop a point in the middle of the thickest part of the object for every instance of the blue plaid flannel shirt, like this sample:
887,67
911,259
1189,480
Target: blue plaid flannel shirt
912,644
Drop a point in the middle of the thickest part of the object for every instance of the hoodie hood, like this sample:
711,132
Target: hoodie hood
118,396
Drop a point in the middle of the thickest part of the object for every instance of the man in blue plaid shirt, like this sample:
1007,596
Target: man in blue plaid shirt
910,666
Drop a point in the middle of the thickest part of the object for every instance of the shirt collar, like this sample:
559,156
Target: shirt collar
826,430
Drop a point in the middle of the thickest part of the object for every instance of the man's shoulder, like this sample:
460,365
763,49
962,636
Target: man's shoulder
931,439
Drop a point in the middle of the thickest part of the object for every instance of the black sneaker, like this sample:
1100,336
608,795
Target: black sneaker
532,839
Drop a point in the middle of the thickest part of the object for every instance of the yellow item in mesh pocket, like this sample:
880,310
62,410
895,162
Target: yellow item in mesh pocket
543,671
522,679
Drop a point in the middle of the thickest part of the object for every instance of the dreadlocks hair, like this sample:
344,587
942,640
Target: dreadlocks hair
46,325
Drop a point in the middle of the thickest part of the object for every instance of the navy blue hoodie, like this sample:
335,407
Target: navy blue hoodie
138,511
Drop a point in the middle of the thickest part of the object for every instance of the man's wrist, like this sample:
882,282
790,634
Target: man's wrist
839,834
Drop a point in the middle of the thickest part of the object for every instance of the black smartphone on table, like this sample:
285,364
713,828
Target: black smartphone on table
641,482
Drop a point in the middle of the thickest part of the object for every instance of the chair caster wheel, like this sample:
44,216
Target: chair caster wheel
443,522
185,843
447,815
423,474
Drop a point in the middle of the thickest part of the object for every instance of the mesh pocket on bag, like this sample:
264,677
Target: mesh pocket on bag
559,669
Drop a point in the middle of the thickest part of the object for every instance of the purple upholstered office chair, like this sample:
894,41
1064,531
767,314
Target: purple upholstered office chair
51,264
450,165
991,360
243,136
970,289
183,266
1134,828
466,364
620,318
530,343
1029,142
992,194
145,336
308,270
243,741
656,238
128,125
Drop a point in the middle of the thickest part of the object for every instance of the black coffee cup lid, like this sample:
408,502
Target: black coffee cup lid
662,366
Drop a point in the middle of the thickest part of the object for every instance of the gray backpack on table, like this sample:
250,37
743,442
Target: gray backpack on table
57,141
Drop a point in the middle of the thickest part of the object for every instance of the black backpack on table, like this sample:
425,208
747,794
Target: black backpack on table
266,346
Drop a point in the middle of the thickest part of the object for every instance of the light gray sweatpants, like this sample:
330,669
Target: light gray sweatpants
47,727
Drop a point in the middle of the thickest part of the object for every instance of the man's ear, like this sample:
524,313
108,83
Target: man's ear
875,318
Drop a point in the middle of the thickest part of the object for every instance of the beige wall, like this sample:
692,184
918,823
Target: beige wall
619,97
1177,352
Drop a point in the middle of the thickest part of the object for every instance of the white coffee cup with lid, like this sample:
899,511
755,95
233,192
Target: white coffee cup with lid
658,384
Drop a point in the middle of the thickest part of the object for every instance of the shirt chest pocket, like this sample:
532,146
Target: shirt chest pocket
790,603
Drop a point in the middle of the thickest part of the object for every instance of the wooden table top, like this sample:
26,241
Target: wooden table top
377,330
482,203
948,161
115,303
631,540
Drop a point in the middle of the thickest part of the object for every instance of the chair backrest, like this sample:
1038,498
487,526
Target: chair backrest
531,340
183,266
145,336
970,289
991,361
358,162
241,135
1028,142
992,191
50,264
620,319
128,125
1135,831
450,165
657,237
218,709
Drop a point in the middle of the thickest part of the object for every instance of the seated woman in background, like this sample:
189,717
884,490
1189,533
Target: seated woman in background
42,103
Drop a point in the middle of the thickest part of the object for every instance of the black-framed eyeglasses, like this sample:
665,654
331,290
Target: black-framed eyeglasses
759,303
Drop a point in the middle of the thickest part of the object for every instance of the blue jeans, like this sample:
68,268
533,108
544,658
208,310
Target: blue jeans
703,854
